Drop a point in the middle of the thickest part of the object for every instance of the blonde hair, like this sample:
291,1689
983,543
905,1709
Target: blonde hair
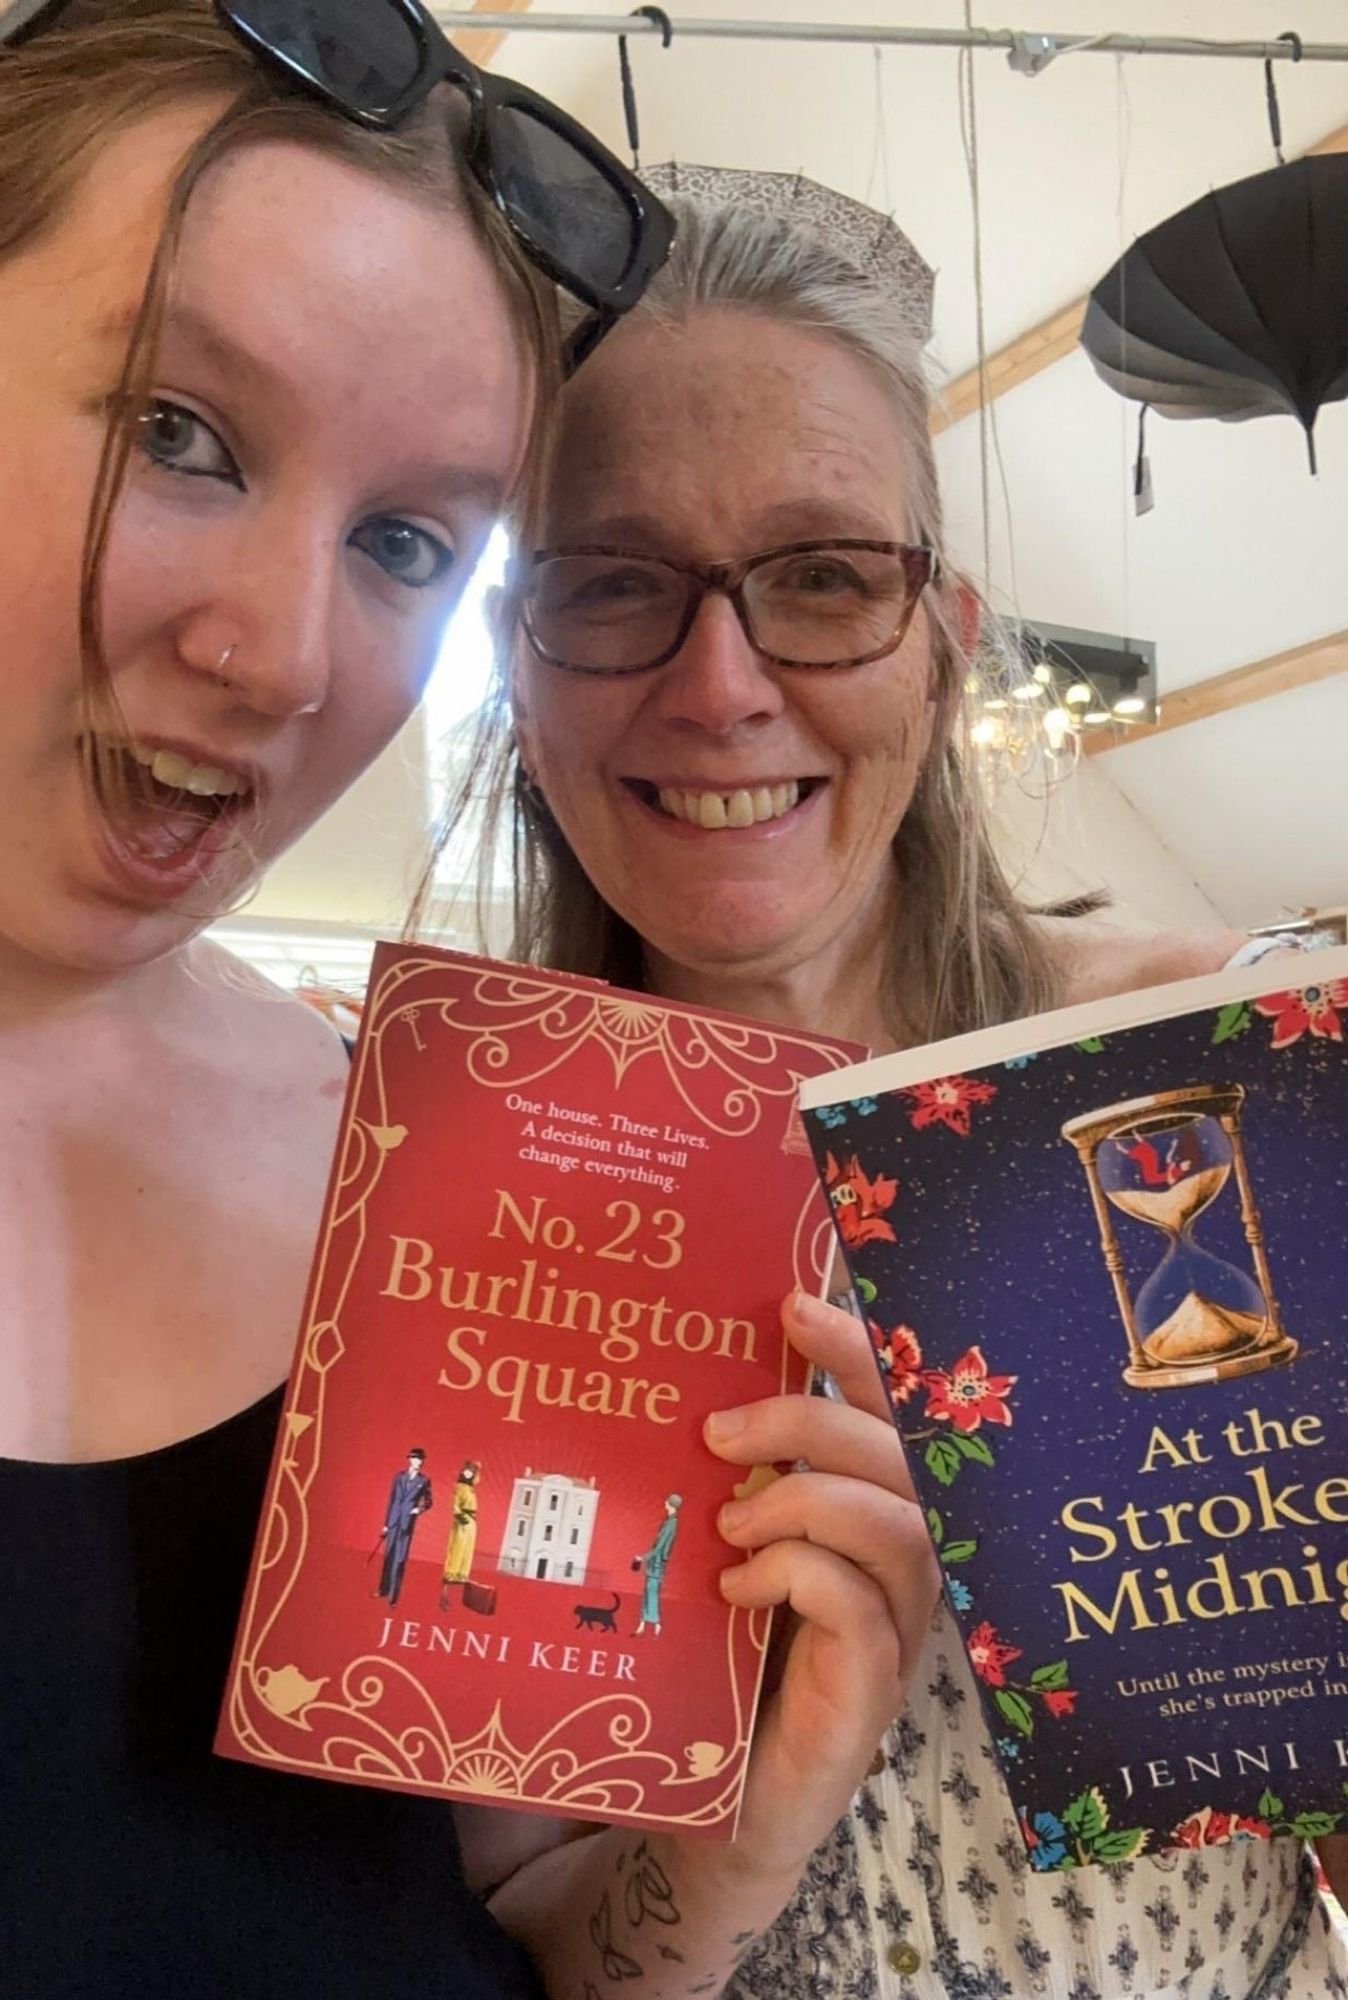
966,953
104,67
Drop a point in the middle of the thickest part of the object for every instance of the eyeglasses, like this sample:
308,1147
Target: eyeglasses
576,211
808,604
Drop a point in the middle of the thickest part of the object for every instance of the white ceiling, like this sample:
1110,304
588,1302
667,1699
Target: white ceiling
1243,555
1075,161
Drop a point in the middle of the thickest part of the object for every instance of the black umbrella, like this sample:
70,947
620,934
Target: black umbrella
1236,307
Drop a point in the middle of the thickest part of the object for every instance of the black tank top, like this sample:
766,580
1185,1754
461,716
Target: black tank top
133,1861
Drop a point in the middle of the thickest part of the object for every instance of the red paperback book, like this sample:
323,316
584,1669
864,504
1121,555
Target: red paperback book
559,1227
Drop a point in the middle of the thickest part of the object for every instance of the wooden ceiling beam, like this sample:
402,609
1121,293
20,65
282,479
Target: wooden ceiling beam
1280,673
481,44
1053,339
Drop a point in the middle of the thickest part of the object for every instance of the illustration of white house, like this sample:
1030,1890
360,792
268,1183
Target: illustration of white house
550,1528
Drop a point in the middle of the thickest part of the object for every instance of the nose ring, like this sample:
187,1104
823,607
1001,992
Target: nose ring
222,665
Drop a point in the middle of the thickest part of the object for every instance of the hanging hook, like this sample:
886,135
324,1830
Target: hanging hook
1271,94
666,27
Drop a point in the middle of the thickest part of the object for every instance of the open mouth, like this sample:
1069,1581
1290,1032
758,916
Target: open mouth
741,807
163,805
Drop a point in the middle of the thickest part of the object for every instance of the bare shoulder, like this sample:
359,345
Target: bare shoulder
1097,958
284,1038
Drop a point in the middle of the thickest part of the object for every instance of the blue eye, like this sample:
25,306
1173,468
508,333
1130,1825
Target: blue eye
406,553
180,441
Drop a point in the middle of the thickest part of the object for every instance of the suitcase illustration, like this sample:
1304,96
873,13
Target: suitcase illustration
480,1597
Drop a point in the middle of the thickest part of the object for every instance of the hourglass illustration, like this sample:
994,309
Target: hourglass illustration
1165,1160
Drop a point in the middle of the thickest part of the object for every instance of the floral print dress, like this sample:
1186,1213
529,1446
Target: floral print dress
925,1892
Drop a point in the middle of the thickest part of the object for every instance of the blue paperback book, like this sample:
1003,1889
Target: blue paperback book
1101,1255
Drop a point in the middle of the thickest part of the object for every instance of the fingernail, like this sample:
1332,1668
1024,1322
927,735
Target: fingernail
733,1515
809,1312
729,1582
722,1425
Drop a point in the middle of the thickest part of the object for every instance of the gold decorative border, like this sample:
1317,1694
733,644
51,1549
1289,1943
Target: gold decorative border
727,1073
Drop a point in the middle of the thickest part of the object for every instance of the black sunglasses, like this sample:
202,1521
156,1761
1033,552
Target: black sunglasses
577,213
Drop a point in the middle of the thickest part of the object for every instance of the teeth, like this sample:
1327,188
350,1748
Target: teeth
203,781
715,810
171,769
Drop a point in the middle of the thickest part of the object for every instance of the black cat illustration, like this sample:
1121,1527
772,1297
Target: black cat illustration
599,1617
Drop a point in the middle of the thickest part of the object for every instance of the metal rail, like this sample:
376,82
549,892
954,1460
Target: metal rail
1027,50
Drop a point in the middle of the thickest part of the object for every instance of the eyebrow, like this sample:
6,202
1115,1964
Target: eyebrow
790,520
218,346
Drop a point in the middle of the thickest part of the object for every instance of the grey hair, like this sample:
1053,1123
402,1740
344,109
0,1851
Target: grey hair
967,953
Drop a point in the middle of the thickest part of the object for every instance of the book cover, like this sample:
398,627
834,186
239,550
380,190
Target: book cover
559,1228
1102,1259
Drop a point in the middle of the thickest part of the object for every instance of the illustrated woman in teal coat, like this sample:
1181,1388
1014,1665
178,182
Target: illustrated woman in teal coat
655,1562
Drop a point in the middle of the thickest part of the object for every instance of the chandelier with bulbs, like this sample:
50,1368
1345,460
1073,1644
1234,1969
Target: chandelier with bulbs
1037,698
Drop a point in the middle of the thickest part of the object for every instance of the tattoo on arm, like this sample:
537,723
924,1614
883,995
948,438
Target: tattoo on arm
617,1964
648,1891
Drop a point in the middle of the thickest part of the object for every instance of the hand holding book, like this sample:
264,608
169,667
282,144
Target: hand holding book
842,1549
845,1547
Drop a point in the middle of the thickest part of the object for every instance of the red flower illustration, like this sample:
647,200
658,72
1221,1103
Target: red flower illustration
859,1202
990,1655
968,1396
948,1100
900,1358
1315,1008
1060,1701
1209,1828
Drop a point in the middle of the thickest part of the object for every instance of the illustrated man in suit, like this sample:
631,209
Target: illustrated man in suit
410,1496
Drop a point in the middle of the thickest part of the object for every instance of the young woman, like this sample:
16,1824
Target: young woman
273,359
733,760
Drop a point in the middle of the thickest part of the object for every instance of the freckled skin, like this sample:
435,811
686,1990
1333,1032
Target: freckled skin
708,441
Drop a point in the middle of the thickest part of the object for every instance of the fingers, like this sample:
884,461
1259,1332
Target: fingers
869,1527
827,1592
832,1437
836,1341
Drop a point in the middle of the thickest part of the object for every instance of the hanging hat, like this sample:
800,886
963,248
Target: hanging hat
871,242
1237,307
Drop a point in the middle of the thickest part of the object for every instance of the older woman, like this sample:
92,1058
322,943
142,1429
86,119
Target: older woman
735,767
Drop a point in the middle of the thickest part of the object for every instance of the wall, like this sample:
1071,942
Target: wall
1083,834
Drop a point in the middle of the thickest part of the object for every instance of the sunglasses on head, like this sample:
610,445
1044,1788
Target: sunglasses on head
576,211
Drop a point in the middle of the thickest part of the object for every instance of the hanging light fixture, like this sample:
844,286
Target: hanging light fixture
1033,703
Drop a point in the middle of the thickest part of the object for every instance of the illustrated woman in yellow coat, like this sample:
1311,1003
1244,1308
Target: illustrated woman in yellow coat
463,1534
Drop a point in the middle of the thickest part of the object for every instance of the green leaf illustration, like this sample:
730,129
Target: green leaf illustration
1314,1825
1052,1676
1088,1815
1016,1710
1269,1806
935,1526
958,1552
1233,1020
1091,1046
942,1460
866,1292
972,1447
1121,1843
